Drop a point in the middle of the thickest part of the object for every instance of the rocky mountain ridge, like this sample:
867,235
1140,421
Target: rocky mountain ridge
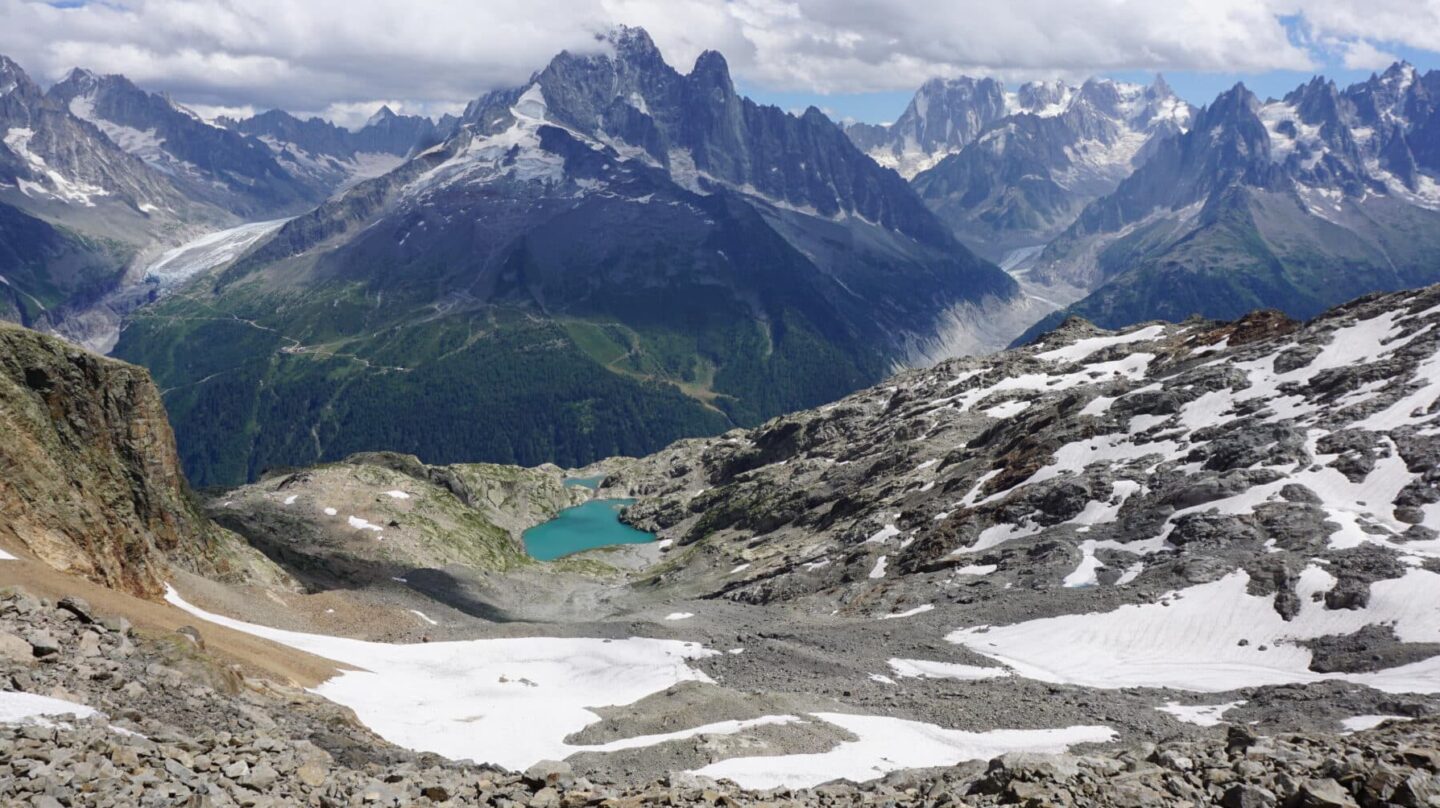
1093,469
1298,203
1024,178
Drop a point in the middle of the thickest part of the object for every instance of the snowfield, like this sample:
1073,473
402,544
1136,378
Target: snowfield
1217,637
511,702
18,708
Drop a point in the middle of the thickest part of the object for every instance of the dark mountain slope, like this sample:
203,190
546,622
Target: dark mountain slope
614,256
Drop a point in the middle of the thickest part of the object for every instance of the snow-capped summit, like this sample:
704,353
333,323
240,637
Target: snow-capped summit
210,163
943,117
1023,177
946,115
1295,203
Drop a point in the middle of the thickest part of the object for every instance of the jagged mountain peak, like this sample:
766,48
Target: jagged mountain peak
80,76
383,114
1398,72
712,69
83,82
631,41
1035,96
13,77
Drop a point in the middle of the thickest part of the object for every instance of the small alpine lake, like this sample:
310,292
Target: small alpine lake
584,527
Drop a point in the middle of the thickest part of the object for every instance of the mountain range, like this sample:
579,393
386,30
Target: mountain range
607,258
100,178
616,254
1121,203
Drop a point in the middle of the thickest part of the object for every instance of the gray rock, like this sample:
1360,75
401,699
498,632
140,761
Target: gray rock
550,772
77,606
43,644
15,650
1324,793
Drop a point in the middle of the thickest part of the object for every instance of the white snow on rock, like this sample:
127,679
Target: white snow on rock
508,701
330,511
717,728
977,569
290,500
1204,715
16,707
679,615
423,616
63,188
397,494
361,524
1006,409
4,556
1086,573
884,534
878,571
886,744
921,609
1356,723
1082,348
1191,640
514,152
925,669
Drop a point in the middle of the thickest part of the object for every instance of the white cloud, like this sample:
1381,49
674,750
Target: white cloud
1412,23
1361,55
338,56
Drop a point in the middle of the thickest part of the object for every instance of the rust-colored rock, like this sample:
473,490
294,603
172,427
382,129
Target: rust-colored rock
89,479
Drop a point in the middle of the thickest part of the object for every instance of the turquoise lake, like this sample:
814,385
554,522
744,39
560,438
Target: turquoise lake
584,527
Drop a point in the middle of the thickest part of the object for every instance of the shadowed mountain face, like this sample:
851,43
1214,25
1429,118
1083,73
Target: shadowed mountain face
610,257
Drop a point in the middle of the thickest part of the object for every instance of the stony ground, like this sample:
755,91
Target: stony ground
177,728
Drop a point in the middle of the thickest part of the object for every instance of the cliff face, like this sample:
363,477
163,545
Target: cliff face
89,480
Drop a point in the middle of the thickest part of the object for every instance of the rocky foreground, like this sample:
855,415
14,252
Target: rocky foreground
170,726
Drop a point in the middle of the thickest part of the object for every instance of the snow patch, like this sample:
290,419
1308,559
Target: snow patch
921,609
925,669
887,744
1204,715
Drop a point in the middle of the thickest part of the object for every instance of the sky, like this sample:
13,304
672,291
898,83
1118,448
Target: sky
854,59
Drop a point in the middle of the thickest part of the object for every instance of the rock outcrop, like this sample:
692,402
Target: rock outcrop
89,480
377,515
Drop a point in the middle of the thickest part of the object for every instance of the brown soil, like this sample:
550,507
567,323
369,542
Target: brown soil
257,657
